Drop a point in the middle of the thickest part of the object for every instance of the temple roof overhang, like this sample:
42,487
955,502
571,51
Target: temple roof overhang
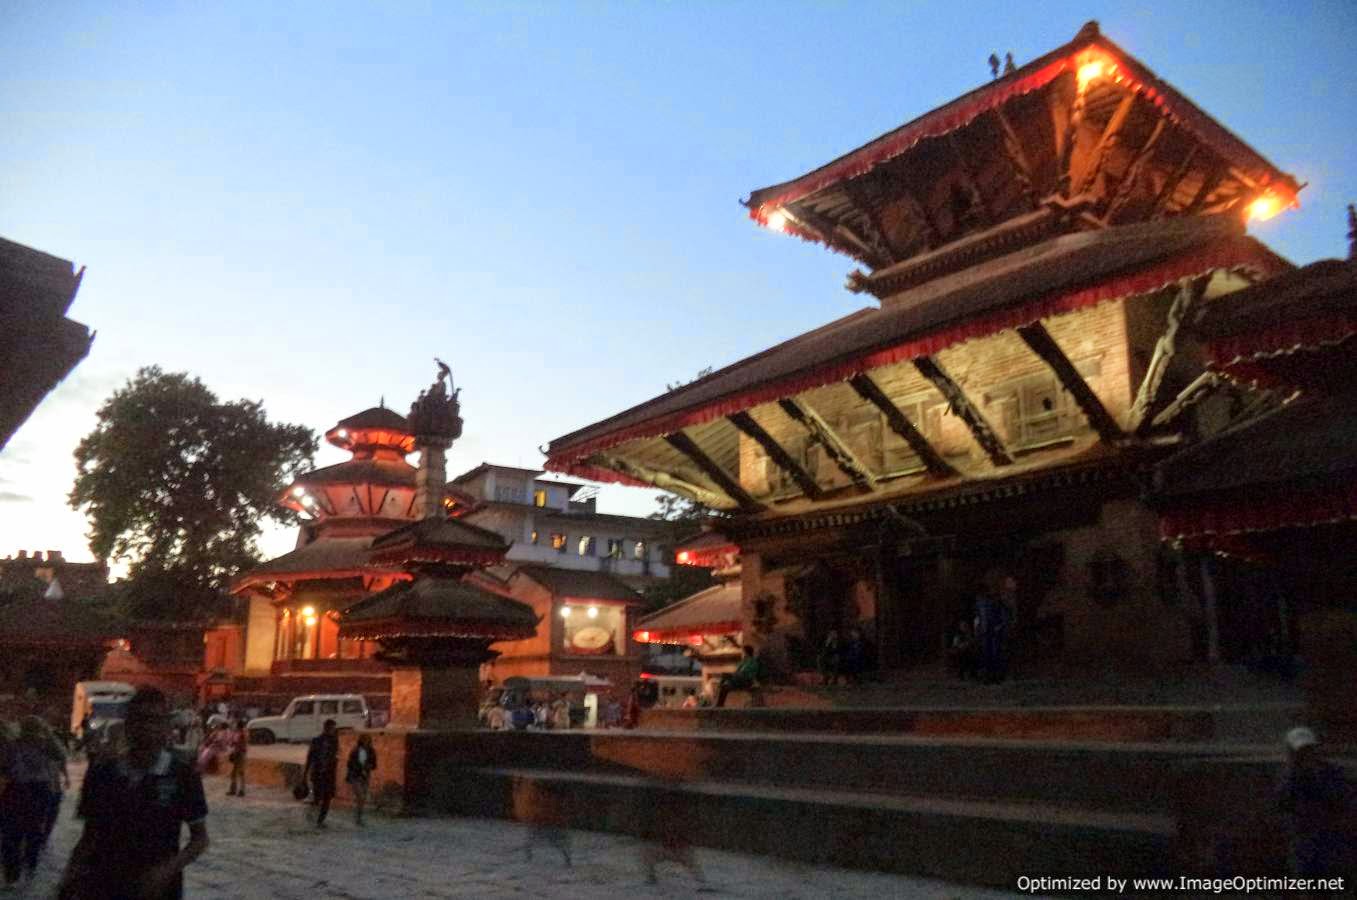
1293,468
372,429
576,585
1086,128
437,607
438,541
39,346
321,560
689,440
1296,331
713,611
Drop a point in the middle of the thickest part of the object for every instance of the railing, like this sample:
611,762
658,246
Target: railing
328,666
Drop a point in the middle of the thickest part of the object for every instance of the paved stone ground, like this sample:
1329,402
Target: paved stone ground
264,847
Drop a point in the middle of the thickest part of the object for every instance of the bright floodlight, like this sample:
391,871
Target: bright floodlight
777,220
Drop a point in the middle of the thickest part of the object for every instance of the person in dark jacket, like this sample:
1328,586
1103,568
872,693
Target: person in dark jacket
745,676
322,765
358,773
1315,800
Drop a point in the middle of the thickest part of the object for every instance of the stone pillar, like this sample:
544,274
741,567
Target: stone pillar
431,478
435,698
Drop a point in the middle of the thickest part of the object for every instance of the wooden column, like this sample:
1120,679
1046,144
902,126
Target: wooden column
1040,342
1209,608
780,457
870,391
981,430
888,600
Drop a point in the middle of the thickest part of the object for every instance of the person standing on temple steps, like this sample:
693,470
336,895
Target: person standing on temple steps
322,765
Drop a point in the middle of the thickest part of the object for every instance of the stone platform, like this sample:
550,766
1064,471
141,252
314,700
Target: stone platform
910,791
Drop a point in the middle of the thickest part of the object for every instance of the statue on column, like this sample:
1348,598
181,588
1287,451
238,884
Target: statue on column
435,416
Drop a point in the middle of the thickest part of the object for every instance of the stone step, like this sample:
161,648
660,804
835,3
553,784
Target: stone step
975,842
1114,724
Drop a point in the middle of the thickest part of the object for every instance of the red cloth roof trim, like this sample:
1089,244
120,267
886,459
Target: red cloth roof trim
683,635
1283,339
1218,255
1207,521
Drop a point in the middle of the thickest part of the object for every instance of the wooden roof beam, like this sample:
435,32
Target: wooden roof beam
1106,141
1016,155
826,437
1208,185
870,391
1128,181
662,480
684,444
981,430
777,453
828,230
969,179
1147,396
1204,384
1040,342
1171,183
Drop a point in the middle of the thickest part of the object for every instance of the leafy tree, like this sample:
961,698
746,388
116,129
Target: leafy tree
687,517
19,583
177,482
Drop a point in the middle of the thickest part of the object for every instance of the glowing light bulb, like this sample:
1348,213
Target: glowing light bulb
1089,71
309,612
298,491
343,432
593,612
565,612
777,220
1265,207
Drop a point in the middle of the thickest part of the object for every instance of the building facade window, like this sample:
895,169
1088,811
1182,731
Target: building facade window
639,551
587,547
558,543
615,548
533,538
539,497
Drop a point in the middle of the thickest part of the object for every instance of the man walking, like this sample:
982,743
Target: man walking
322,765
135,806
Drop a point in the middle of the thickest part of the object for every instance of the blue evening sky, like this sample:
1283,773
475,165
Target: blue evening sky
305,202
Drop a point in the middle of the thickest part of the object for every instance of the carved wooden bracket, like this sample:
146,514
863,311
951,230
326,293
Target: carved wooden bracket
984,434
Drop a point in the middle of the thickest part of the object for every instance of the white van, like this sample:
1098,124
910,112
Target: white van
305,717
103,702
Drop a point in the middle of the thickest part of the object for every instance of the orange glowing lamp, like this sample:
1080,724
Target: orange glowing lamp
777,220
684,557
1265,207
642,637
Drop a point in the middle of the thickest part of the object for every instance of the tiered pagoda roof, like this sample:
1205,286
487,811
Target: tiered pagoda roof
1086,129
1000,220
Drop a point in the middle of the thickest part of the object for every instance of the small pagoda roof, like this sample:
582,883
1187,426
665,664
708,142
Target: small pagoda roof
1062,275
439,540
377,426
705,549
1295,468
322,559
1310,438
1293,331
51,622
1321,288
433,607
578,584
840,203
376,472
713,611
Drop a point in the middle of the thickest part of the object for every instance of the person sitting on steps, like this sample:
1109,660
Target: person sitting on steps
745,676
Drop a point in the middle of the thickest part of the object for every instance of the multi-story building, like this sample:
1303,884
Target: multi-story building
578,568
556,524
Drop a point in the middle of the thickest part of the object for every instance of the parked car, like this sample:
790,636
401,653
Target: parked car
305,717
96,704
